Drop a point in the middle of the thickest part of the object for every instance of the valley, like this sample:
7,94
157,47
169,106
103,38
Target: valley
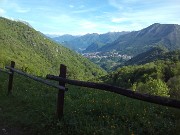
145,61
112,49
106,55
107,60
36,54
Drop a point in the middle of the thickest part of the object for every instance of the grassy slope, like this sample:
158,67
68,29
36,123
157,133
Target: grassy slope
36,54
31,110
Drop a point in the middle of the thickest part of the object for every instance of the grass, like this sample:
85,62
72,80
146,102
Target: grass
32,110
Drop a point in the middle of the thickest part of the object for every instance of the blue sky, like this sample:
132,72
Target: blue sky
91,16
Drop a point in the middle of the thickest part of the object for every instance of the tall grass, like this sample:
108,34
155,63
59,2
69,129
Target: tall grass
32,109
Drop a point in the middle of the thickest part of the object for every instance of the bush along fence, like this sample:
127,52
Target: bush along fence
61,88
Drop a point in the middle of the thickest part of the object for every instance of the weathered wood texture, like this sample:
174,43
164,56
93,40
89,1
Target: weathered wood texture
10,83
128,93
7,72
35,78
60,98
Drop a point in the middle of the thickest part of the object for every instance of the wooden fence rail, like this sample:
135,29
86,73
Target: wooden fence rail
36,78
61,87
4,71
128,93
11,76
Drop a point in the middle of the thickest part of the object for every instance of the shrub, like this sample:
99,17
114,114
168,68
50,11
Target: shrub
174,87
153,86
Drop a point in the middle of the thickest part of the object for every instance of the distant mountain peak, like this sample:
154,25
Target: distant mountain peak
137,42
88,40
156,24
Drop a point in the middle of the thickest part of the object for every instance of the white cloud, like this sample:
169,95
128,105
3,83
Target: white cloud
2,11
116,4
118,20
61,19
88,25
14,6
81,6
71,6
156,11
84,10
146,14
21,10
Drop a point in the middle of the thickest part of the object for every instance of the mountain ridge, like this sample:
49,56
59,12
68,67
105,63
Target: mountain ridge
139,41
82,42
35,53
154,54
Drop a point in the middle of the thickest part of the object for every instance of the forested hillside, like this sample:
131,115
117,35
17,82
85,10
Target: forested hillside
140,41
155,53
34,53
159,78
90,42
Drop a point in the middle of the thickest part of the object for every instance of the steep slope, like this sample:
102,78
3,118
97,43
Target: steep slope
155,53
77,43
137,42
94,47
64,39
104,39
36,54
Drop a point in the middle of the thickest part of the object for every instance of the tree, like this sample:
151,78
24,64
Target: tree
153,86
174,86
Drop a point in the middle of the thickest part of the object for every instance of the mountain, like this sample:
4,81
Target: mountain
35,53
76,42
80,43
137,42
103,40
93,47
154,54
64,38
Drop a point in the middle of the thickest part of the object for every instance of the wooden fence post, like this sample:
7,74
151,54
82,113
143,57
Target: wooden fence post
60,100
10,84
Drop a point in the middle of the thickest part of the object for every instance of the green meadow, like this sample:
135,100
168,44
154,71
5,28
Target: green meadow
31,109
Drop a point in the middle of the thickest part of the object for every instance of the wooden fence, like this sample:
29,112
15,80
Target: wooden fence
61,88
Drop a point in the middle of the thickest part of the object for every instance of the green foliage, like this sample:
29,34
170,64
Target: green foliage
127,75
143,77
153,87
108,63
154,54
174,86
32,106
94,47
36,54
151,55
31,110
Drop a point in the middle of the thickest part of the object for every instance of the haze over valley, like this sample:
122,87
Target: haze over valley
117,48
114,48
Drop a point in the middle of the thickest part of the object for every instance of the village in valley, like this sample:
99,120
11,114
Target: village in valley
106,55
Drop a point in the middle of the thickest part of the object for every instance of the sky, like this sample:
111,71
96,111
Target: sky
78,17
